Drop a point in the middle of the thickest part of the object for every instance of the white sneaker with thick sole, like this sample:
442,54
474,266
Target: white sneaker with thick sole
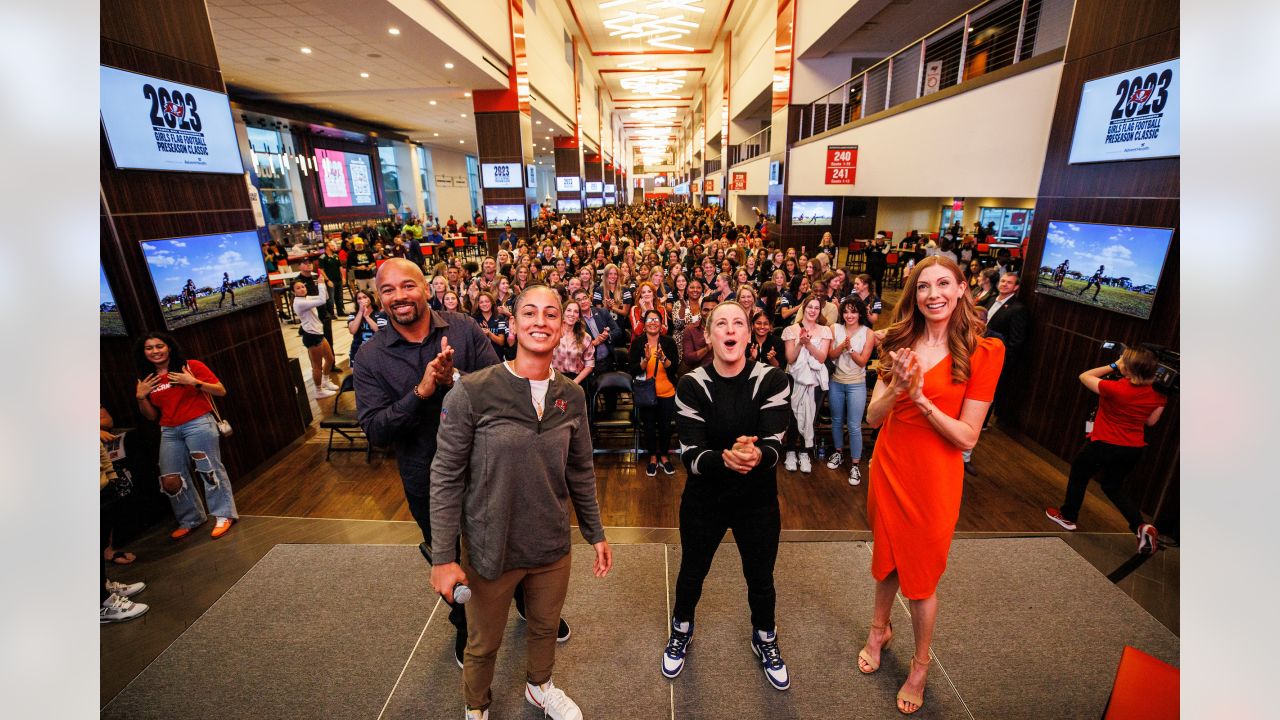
119,609
806,465
855,475
790,462
324,392
123,590
330,385
834,461
552,701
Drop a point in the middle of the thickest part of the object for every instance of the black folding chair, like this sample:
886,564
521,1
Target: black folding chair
344,423
622,419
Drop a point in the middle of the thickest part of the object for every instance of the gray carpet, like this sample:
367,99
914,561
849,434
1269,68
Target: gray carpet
1026,629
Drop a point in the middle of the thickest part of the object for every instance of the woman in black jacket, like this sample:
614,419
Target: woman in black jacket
654,355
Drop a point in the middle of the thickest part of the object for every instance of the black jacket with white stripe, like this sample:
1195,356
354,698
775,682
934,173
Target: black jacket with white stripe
713,411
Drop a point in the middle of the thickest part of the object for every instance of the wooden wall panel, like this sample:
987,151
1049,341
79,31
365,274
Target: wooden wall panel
245,348
1052,405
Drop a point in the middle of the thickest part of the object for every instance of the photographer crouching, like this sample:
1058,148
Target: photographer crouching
1126,407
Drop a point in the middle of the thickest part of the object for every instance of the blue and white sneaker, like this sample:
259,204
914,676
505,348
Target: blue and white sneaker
677,647
764,643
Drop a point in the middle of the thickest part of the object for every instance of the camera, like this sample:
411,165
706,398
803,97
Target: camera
1167,372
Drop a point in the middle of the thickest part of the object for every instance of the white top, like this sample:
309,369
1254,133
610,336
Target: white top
847,371
537,389
792,332
307,309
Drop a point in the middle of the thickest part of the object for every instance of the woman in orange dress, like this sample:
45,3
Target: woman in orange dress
938,377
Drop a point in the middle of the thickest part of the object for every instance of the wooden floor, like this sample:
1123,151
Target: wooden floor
301,498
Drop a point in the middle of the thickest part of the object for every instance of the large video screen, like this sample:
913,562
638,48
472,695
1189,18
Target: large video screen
1133,115
812,212
157,124
497,216
595,186
1113,267
595,202
501,175
569,206
568,184
346,179
205,276
109,320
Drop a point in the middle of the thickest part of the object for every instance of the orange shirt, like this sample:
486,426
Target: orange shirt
661,383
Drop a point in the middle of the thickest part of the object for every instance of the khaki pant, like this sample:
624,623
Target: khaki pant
544,591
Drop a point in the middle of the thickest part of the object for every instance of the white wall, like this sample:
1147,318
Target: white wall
813,18
455,201
752,66
985,142
549,73
487,19
812,78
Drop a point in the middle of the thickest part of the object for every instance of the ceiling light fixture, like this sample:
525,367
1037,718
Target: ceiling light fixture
466,94
448,66
364,75
305,50
435,134
393,30
431,102
463,114
461,142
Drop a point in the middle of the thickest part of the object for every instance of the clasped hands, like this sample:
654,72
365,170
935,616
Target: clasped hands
743,456
908,374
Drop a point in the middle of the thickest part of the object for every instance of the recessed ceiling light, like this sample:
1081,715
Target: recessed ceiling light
435,134
306,51
448,66
461,141
394,30
463,114
431,102
364,75
466,94
537,122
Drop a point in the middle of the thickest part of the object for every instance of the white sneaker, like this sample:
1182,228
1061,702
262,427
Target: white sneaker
552,701
329,385
790,463
118,609
123,590
324,392
806,465
855,475
834,461
473,714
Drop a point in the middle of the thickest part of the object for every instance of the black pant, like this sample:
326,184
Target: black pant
656,423
335,299
1115,462
755,524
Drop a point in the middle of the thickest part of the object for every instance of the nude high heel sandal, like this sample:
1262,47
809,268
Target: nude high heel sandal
905,697
865,657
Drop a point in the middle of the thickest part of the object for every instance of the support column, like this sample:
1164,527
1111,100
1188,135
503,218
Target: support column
568,165
504,133
593,172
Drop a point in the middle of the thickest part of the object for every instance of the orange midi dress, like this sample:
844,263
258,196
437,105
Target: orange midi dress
913,496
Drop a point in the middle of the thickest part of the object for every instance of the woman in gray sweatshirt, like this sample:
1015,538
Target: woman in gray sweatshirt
514,447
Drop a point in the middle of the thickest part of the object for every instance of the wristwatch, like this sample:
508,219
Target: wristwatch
1113,366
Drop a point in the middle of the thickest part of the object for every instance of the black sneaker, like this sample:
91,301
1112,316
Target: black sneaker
677,648
459,645
667,467
764,643
563,632
652,469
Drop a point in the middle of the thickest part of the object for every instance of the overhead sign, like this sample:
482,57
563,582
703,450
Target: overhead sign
568,184
501,175
738,181
531,176
842,164
1133,115
775,172
157,124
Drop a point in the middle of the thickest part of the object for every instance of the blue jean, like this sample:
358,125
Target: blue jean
848,401
196,441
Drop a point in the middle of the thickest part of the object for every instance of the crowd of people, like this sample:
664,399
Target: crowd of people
478,372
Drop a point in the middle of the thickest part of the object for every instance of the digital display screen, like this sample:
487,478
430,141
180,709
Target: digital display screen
810,212
501,175
595,187
1133,115
610,188
346,179
1113,267
109,320
568,184
497,216
595,202
569,206
205,276
157,124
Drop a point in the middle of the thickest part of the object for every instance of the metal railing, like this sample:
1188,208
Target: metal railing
750,148
992,35
713,165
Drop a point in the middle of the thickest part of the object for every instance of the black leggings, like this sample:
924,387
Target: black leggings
1114,462
755,525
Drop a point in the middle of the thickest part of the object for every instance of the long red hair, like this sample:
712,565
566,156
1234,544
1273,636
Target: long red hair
964,330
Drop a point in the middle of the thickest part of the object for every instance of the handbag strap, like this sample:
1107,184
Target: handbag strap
214,405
